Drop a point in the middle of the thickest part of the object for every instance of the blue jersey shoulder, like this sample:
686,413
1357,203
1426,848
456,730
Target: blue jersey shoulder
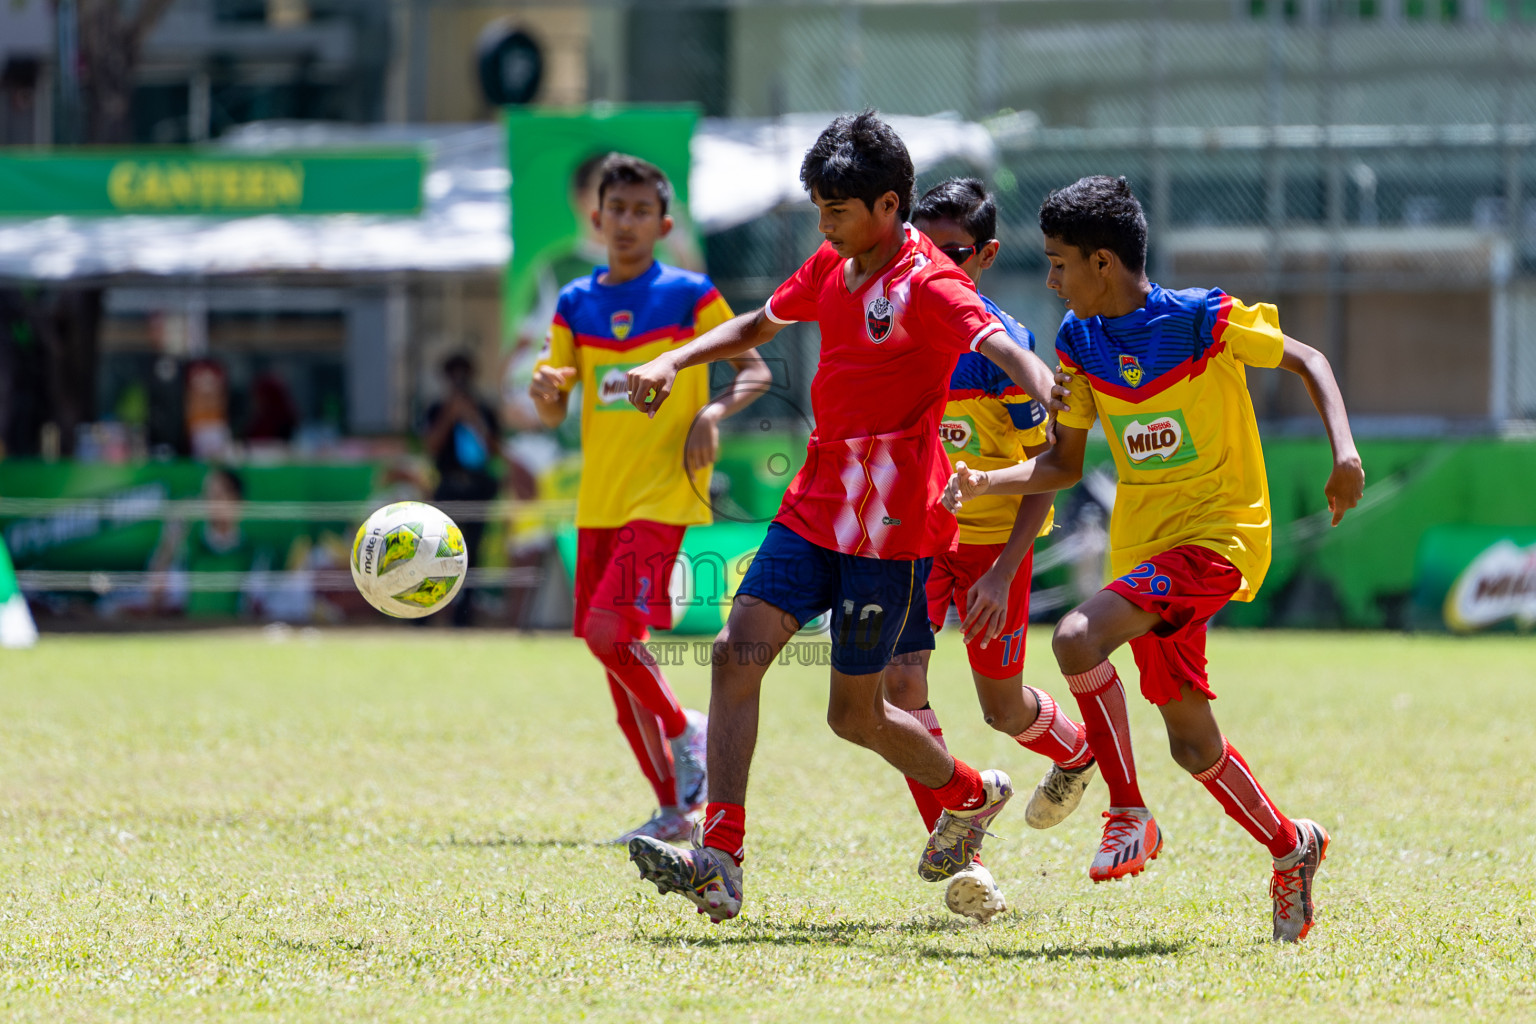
1172,328
665,296
975,372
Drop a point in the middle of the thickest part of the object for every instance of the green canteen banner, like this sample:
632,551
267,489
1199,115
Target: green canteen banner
99,182
551,237
1473,578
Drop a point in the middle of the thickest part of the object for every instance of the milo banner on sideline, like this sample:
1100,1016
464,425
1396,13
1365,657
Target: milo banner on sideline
1472,578
553,156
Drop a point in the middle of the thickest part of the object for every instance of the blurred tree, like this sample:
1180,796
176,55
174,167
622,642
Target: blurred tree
110,36
62,326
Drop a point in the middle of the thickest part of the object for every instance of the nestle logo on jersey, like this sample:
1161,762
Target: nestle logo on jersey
1163,438
879,316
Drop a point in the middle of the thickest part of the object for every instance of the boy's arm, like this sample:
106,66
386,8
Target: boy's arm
753,379
1026,369
987,603
1056,470
551,393
649,385
1346,483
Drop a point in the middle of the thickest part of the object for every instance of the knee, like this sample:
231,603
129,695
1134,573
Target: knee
1073,643
1194,753
852,724
1009,717
603,631
905,688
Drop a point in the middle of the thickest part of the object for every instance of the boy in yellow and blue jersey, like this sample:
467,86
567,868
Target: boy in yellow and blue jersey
989,422
644,481
1164,373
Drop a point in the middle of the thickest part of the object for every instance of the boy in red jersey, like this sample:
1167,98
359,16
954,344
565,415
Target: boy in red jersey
1163,372
642,480
856,532
990,422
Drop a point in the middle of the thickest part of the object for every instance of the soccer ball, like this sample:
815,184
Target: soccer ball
409,560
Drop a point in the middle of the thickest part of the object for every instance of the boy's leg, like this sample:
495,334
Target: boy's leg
790,581
710,875
595,552
880,610
906,679
1083,641
1197,744
671,823
631,593
1028,715
906,687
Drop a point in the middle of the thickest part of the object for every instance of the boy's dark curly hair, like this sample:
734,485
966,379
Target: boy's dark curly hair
859,156
1098,212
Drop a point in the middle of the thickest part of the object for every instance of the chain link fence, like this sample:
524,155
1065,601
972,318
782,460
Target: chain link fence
1367,164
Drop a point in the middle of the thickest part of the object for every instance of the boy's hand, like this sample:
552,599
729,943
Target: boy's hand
703,445
1058,403
986,608
964,484
1346,484
649,385
549,382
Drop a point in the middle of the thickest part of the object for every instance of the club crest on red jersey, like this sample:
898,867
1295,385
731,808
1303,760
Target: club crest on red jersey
1130,370
620,323
879,315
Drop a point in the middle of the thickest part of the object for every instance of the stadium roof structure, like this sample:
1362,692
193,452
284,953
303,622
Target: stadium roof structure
742,169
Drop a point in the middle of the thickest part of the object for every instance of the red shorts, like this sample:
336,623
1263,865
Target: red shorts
627,570
1185,585
953,575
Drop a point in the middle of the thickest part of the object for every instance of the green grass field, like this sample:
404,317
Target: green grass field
400,826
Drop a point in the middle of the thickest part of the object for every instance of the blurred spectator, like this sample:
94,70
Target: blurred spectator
463,437
215,544
273,414
207,403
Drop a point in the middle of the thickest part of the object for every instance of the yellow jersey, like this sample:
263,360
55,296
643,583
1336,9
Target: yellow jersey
632,466
987,423
1168,383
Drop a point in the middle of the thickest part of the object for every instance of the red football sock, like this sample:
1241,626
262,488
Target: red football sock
1232,783
643,730
619,645
725,828
963,791
1055,735
1101,699
927,803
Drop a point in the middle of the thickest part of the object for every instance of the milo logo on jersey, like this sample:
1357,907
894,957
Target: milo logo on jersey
1156,441
613,387
959,434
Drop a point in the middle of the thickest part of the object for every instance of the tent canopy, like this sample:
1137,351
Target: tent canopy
742,169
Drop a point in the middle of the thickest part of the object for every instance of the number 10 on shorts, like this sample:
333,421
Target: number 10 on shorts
870,620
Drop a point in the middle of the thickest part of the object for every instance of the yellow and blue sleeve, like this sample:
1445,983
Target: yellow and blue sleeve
559,347
1251,333
710,312
1081,414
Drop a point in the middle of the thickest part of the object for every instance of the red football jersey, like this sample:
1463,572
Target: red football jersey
875,469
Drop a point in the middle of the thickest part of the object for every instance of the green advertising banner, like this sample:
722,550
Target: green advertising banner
550,206
1473,578
100,182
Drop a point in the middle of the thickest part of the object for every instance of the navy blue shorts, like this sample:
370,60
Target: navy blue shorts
879,606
